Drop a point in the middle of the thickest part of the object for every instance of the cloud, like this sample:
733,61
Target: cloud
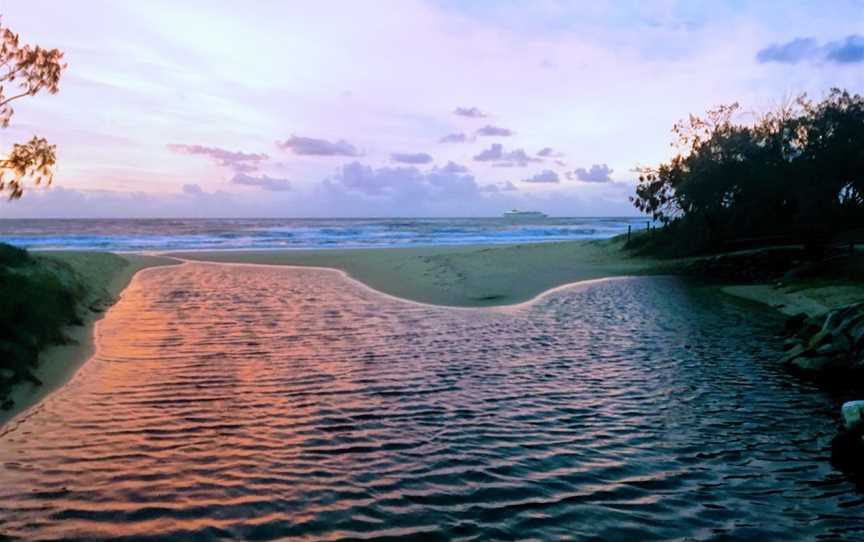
441,194
361,178
846,51
451,182
411,158
520,157
264,182
453,138
790,52
490,130
548,152
453,167
599,173
496,153
238,161
308,146
545,176
506,186
470,112
59,202
192,190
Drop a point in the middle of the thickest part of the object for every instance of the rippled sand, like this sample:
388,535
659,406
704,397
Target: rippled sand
242,402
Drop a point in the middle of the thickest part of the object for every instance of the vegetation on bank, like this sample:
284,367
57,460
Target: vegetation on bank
38,298
792,176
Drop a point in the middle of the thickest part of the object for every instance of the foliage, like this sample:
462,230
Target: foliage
795,173
32,160
36,301
31,69
12,256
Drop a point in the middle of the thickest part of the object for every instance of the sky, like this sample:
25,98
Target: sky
399,107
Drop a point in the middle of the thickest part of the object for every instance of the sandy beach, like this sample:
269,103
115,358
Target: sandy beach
105,276
463,276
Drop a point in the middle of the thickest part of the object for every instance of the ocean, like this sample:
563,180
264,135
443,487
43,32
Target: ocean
132,235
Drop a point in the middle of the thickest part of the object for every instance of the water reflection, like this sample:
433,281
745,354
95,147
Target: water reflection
231,402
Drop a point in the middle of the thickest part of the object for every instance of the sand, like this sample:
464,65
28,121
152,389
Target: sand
812,300
106,276
478,276
464,276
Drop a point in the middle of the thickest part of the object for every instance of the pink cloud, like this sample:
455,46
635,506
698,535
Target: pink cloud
238,161
308,146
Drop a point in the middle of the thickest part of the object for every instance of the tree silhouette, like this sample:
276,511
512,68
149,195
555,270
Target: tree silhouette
796,173
27,69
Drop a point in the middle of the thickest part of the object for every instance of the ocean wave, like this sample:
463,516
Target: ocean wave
228,234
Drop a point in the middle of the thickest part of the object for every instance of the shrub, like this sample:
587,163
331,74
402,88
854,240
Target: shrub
35,305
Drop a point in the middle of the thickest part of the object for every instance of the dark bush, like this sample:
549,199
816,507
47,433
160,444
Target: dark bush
11,256
35,306
794,176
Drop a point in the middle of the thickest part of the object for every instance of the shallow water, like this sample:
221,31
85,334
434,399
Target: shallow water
238,402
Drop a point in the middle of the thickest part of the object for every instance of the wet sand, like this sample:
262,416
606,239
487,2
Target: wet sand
105,276
464,276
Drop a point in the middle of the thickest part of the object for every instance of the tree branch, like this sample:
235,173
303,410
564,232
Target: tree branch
4,102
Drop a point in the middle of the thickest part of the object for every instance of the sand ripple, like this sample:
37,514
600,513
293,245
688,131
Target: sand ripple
232,402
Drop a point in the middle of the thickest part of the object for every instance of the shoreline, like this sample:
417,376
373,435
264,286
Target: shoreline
459,276
106,275
476,276
464,276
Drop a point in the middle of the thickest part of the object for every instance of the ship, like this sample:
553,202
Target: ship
516,214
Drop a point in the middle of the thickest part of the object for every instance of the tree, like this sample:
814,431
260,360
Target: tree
26,70
796,174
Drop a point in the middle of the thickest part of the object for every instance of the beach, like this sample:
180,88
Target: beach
463,276
483,276
431,271
456,276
